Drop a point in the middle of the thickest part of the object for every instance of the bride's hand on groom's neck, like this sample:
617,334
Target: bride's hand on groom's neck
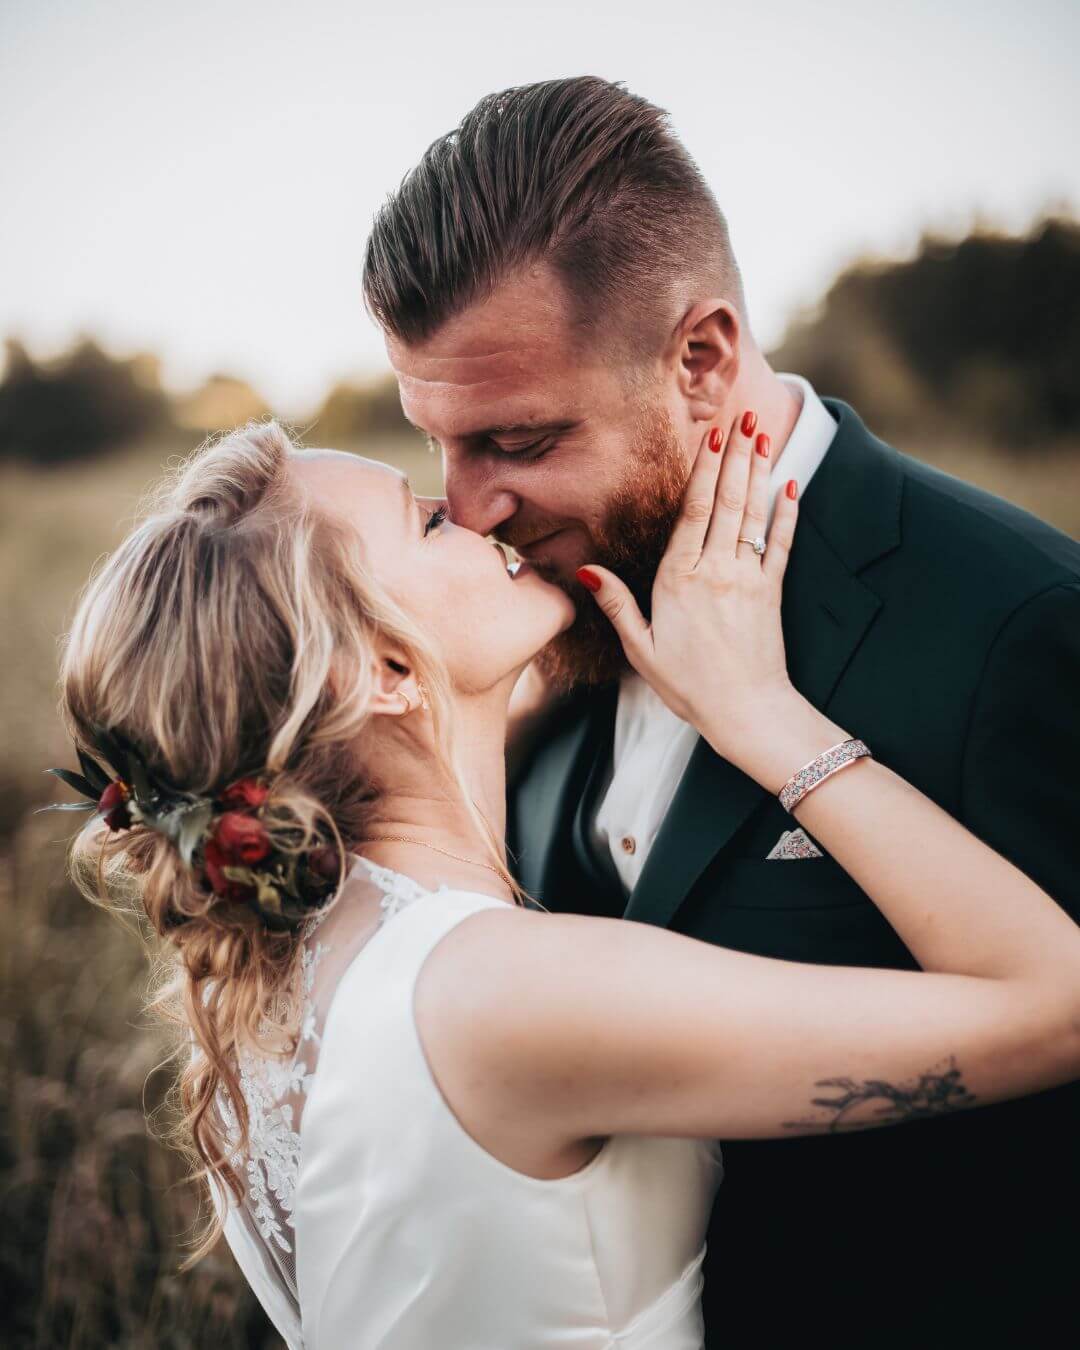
714,649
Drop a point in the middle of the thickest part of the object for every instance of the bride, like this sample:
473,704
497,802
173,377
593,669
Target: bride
431,1113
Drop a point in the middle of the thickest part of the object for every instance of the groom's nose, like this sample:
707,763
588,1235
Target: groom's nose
475,499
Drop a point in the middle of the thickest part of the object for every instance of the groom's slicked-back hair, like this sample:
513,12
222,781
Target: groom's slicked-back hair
577,173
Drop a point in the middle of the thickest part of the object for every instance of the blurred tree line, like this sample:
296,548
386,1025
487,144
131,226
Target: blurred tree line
77,405
977,338
85,401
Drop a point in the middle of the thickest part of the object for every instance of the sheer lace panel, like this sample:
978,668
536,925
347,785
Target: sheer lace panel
274,1088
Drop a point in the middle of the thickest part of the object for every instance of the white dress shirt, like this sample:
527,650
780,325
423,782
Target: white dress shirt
652,745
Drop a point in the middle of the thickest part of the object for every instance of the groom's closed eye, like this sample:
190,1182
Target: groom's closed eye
531,441
529,451
497,447
528,442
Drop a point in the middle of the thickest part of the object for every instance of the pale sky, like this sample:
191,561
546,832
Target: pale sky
198,178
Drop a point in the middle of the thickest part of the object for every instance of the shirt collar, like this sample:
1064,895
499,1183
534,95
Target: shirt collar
808,443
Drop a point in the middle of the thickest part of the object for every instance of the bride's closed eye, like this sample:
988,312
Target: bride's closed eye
434,520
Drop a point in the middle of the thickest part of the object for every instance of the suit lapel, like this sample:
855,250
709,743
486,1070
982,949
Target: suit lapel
849,517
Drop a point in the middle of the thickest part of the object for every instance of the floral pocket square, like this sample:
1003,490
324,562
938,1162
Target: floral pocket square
791,845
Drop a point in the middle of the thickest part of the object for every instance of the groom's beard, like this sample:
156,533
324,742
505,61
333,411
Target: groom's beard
630,541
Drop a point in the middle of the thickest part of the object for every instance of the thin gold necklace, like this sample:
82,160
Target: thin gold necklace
404,839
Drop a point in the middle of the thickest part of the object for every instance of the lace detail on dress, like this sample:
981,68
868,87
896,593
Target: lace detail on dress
274,1088
272,1164
397,888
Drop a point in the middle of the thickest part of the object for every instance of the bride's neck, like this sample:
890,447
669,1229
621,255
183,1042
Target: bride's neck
419,801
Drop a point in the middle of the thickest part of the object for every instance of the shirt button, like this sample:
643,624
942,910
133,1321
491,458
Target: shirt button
628,843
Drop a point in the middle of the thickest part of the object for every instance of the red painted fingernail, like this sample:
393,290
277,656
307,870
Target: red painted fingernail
589,579
792,489
715,439
763,445
748,423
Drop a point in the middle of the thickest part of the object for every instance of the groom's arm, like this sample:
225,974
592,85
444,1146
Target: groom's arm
1021,774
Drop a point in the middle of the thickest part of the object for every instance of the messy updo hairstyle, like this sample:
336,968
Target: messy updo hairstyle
233,634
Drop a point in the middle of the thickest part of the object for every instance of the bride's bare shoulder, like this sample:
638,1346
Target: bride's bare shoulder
476,960
494,947
496,968
516,984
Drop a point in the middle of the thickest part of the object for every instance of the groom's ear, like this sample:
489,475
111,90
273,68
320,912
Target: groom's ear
706,356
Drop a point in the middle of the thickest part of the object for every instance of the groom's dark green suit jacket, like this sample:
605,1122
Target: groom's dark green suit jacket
942,626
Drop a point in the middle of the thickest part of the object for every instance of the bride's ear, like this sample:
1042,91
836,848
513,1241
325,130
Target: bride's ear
706,355
397,690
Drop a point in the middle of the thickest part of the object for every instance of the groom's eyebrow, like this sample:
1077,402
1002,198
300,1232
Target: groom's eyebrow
505,429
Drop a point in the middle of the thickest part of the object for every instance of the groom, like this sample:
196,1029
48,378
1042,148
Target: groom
566,318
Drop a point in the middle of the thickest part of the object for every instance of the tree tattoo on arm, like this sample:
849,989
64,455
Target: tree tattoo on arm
937,1092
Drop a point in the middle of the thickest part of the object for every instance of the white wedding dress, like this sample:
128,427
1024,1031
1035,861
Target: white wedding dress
373,1220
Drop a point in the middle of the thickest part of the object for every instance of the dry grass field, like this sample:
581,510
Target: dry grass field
93,1217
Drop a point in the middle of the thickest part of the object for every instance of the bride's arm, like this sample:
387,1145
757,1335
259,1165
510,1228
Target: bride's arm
589,1026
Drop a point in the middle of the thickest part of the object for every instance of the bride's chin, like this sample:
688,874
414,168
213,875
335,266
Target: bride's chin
549,609
561,602
566,622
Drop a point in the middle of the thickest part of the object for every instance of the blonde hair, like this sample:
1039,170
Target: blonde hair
233,633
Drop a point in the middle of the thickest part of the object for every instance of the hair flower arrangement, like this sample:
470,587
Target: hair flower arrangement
222,838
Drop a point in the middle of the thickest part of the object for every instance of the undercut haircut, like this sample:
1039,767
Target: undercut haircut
576,173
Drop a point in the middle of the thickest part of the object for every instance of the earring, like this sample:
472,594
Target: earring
408,704
423,696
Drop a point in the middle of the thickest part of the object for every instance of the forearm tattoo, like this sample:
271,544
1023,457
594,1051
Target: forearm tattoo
934,1093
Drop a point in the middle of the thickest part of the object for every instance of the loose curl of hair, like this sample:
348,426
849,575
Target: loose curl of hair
233,633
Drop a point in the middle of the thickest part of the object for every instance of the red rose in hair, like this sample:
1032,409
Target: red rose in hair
216,860
244,794
113,805
241,838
